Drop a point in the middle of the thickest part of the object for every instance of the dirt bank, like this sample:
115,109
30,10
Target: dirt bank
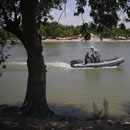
11,119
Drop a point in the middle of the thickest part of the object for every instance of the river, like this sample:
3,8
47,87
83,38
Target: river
72,91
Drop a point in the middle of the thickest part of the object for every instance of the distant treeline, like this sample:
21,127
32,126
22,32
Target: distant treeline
54,30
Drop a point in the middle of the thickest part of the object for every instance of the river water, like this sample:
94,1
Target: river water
72,91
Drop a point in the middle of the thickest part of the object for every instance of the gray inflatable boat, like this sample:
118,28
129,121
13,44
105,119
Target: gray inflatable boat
104,63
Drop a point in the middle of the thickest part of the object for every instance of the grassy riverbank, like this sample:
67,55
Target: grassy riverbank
11,119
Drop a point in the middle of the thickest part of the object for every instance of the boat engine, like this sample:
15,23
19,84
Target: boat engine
73,62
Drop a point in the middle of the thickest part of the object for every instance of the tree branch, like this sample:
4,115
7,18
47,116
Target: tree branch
15,13
62,12
82,18
12,26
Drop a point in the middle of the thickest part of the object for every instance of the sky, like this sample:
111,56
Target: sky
68,18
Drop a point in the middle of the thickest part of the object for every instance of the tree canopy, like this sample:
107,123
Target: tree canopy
104,12
11,17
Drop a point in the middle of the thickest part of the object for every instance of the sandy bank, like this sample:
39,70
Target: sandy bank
82,40
72,40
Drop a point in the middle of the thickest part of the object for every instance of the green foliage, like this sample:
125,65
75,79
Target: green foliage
76,30
115,32
84,29
42,31
87,36
55,30
11,14
100,114
80,4
118,32
4,35
106,32
104,12
128,32
122,26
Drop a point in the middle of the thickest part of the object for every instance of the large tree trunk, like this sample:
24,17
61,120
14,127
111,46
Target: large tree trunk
35,103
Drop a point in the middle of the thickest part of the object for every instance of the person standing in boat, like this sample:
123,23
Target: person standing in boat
97,56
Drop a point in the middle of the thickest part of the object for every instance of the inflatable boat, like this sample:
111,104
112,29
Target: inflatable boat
104,63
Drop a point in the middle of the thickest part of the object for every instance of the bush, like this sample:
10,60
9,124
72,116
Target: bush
99,114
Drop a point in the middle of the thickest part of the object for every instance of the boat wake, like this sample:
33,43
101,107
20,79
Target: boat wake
67,66
59,64
17,63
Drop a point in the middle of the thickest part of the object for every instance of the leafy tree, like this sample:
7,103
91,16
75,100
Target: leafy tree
115,32
42,30
128,32
122,26
3,35
92,26
106,32
23,18
84,29
76,31
124,6
105,12
80,4
87,36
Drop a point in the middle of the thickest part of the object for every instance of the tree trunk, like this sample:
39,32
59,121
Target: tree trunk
35,103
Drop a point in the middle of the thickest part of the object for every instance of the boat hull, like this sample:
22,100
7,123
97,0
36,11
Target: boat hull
104,63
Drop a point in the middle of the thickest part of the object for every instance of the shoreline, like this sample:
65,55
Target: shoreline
82,40
11,119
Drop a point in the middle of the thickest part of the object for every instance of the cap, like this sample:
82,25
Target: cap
92,47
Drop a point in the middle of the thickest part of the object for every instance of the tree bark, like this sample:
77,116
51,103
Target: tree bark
35,103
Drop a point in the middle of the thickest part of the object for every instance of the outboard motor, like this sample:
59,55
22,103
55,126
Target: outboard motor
73,62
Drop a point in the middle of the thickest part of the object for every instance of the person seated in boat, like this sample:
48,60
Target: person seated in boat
79,61
87,58
93,58
92,49
95,54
